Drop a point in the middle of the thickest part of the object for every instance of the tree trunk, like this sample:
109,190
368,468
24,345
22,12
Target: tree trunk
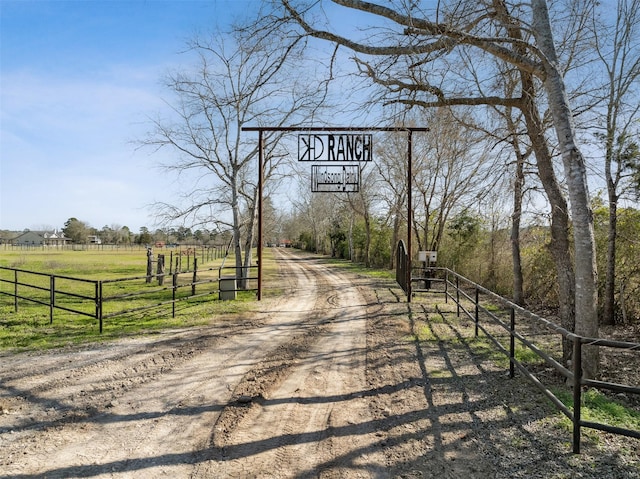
608,313
559,245
518,281
237,245
251,232
367,239
575,172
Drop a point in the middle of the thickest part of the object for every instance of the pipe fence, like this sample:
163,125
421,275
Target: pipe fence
493,314
109,298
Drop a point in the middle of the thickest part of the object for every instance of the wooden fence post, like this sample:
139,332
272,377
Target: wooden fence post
149,265
160,270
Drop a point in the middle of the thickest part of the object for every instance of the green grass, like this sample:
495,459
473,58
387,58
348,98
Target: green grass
29,328
597,407
360,268
482,346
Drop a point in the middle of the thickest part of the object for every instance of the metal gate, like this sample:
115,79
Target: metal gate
402,264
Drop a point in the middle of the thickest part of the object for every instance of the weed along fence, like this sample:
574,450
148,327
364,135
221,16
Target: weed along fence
532,345
110,298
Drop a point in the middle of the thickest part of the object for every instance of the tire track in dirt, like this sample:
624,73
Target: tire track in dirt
311,419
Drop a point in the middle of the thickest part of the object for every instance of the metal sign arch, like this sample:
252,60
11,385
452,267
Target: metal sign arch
334,129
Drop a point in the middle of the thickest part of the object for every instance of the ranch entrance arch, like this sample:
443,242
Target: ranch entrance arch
408,130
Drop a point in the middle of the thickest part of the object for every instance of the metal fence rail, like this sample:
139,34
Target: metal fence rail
461,290
47,289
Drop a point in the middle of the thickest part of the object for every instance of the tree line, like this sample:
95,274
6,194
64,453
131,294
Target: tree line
79,232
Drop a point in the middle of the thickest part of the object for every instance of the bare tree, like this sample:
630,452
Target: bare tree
392,170
452,172
236,81
481,30
619,54
363,203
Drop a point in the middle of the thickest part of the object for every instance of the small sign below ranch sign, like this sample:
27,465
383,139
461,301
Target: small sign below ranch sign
344,147
335,178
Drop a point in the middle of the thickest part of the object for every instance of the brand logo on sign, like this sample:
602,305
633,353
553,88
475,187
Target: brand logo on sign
348,148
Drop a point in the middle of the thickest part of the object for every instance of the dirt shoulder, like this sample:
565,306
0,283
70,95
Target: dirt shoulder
338,377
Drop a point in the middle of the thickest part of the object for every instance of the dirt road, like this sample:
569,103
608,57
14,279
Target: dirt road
326,380
239,398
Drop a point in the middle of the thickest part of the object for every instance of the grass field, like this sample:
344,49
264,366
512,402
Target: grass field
31,326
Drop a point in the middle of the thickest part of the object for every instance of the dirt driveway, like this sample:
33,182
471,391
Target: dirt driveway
327,380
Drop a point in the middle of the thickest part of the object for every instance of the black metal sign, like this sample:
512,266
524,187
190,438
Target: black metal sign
335,178
330,148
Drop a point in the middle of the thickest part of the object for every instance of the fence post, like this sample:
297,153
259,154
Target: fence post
99,303
512,343
149,265
15,290
457,296
195,275
577,392
52,297
171,262
173,293
446,286
160,270
477,318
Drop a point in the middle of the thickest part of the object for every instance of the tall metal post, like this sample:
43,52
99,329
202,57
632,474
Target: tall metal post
260,180
409,208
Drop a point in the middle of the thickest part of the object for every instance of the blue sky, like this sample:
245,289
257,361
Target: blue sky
78,80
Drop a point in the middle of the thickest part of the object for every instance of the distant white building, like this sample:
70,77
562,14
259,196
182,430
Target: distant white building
41,238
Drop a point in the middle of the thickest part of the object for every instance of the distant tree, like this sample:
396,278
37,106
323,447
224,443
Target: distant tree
123,235
144,237
76,230
106,235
